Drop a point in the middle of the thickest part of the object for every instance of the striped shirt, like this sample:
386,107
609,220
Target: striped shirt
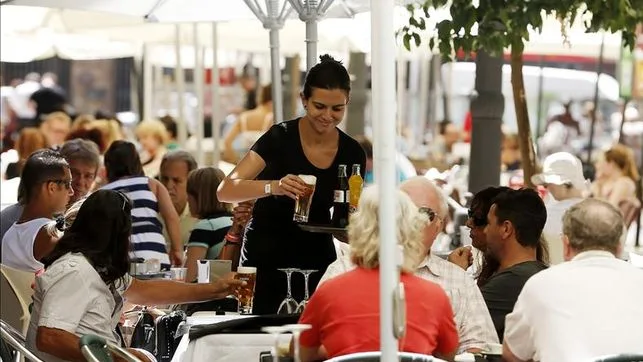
147,232
210,233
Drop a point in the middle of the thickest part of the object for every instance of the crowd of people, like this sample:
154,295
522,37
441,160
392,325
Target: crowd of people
544,279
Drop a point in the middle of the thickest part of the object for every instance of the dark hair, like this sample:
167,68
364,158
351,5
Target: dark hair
481,203
122,160
170,126
180,156
81,150
202,185
101,232
41,166
526,211
327,74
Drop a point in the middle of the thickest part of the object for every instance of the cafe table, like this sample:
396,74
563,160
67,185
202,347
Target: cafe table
224,347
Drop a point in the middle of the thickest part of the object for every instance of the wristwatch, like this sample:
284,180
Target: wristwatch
267,189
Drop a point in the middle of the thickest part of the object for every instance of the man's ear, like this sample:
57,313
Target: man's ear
303,99
567,248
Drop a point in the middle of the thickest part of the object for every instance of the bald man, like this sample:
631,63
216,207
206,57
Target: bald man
472,319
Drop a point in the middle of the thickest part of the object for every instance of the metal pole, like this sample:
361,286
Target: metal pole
311,43
599,70
277,95
148,83
198,92
179,78
216,100
541,79
383,91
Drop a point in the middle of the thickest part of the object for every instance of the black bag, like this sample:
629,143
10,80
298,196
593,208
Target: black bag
167,339
144,335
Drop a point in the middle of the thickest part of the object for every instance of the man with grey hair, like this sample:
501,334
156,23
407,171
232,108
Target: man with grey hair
587,307
472,318
173,174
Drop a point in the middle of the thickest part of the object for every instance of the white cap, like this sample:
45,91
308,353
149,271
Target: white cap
562,168
309,179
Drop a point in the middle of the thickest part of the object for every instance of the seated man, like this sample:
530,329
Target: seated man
587,307
514,225
473,323
45,190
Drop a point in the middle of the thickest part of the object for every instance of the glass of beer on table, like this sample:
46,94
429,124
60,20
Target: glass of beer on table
245,293
302,203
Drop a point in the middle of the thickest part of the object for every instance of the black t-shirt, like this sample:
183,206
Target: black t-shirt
502,289
273,239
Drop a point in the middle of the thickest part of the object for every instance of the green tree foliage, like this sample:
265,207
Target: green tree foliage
495,25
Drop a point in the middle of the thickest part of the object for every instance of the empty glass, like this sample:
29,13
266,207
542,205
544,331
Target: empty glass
276,332
296,330
289,305
306,273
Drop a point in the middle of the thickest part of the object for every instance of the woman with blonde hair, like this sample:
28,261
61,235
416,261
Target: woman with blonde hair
344,311
153,137
30,140
215,218
616,175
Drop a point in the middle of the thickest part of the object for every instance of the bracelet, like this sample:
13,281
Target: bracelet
232,239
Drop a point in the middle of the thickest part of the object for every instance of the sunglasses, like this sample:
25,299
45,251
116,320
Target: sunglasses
477,221
66,183
429,212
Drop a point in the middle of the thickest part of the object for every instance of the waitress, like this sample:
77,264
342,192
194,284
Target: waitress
310,145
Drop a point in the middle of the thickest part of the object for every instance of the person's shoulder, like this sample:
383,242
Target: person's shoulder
342,281
70,265
214,222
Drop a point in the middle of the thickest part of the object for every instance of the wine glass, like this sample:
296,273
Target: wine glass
303,303
289,304
276,332
296,330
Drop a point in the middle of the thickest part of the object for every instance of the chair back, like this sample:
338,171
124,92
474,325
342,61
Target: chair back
631,210
96,349
16,297
375,357
620,358
17,341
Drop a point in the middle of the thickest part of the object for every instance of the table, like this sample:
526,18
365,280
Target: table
224,347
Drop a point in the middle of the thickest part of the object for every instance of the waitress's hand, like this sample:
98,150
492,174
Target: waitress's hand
291,186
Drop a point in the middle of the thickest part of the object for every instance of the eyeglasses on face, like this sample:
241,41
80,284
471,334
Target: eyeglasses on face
477,221
66,183
429,212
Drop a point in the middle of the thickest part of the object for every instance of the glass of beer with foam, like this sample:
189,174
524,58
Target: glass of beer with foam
245,293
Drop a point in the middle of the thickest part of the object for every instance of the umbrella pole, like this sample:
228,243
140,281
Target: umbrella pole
215,106
198,92
277,94
311,43
148,84
383,91
179,78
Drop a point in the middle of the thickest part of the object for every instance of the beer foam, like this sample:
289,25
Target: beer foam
246,270
309,179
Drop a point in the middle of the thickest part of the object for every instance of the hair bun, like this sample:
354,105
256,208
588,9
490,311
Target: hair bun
326,58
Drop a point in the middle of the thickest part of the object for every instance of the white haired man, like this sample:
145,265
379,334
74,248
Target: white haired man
472,318
585,308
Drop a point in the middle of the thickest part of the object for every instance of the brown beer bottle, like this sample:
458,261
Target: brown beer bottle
340,201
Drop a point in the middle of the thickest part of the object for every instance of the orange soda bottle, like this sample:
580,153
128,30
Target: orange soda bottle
355,185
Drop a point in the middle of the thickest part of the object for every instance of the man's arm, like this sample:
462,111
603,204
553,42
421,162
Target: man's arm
59,343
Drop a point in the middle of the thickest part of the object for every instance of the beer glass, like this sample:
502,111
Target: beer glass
302,203
245,293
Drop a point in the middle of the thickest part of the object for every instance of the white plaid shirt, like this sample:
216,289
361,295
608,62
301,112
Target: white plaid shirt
472,319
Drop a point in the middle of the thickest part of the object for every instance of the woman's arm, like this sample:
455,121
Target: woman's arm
171,219
240,185
162,292
194,253
43,243
622,189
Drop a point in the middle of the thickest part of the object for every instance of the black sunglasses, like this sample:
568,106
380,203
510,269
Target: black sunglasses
477,221
429,212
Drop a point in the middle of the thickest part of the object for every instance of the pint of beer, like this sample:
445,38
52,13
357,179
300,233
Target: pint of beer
245,293
302,204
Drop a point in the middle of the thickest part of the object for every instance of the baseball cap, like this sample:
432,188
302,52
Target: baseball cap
561,168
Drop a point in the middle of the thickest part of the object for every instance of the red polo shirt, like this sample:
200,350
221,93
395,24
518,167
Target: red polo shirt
344,314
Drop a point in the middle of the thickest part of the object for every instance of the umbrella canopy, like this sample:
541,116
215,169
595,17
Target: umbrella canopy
175,11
